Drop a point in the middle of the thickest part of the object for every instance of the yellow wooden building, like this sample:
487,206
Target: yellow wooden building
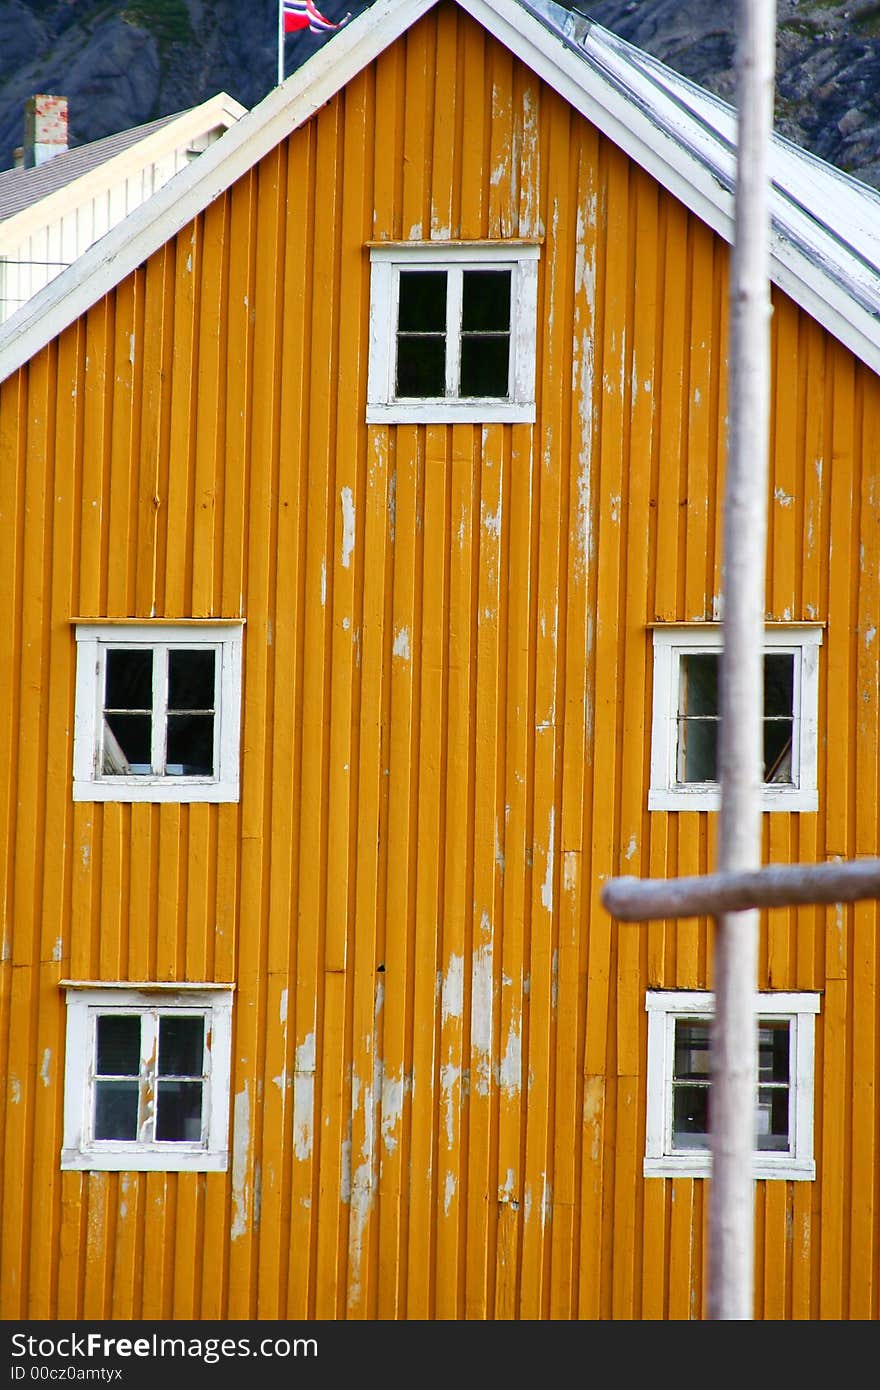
360,563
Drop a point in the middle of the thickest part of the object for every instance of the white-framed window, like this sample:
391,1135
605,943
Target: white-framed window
158,712
147,1076
677,1142
687,712
453,328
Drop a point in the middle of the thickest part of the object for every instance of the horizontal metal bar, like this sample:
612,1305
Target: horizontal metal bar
776,885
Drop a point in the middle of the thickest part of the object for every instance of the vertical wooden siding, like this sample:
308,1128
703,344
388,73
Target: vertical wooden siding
439,1036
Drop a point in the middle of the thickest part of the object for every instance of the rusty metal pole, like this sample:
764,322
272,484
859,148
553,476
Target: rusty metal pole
734,1040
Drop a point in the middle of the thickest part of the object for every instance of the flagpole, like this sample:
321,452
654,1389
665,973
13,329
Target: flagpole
280,42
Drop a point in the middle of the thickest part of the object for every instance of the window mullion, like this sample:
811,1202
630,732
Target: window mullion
160,709
149,1067
454,283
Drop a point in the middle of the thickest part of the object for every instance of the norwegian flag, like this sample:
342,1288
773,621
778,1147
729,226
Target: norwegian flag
303,14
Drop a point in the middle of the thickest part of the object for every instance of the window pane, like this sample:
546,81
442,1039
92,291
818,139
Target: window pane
485,300
485,366
777,750
421,366
127,743
422,302
191,679
117,1045
779,683
690,1117
179,1110
181,1045
116,1109
698,750
128,682
691,1049
190,749
772,1118
773,1050
699,689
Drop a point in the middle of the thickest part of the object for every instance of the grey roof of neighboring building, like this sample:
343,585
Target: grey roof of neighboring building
19,188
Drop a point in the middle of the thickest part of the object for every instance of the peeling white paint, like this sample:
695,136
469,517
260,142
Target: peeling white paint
15,1090
282,1007
453,989
131,348
45,1065
632,846
870,634
614,503
85,854
450,1080
304,1098
392,505
482,994
448,1192
783,498
57,949
346,624
510,1068
323,583
492,521
401,643
347,501
547,885
241,1136
394,1092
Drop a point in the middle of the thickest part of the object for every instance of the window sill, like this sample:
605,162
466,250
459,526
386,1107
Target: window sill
709,799
144,1161
435,412
784,1169
155,789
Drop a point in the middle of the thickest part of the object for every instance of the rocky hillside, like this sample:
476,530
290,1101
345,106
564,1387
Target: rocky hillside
121,64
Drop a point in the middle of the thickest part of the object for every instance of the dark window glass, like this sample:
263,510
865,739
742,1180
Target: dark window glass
485,301
128,680
485,338
118,1045
190,750
127,743
422,301
690,1084
191,679
181,1045
485,366
700,712
179,1110
778,716
774,1039
698,718
421,366
116,1110
421,337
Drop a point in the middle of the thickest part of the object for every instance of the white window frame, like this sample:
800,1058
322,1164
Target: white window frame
85,1001
664,1007
386,262
671,642
93,640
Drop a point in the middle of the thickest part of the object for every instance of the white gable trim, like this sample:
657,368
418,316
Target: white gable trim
613,86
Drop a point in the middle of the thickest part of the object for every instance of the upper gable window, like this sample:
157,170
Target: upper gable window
158,709
452,332
687,716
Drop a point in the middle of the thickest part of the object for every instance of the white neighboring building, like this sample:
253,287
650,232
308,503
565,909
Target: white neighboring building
62,200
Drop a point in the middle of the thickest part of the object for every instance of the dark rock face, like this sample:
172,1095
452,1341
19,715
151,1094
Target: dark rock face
827,65
121,64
